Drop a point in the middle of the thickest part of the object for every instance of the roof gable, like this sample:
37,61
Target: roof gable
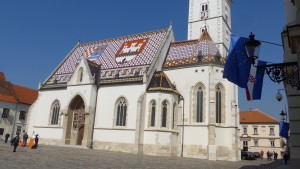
85,72
126,56
255,116
161,82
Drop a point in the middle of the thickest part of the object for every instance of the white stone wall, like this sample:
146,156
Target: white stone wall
105,113
39,120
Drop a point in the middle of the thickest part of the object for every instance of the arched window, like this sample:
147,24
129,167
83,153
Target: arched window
80,74
121,112
218,104
199,115
164,114
55,113
153,109
198,103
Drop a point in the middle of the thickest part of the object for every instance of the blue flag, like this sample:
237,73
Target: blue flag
237,67
284,129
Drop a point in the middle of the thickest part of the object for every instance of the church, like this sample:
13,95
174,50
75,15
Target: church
146,93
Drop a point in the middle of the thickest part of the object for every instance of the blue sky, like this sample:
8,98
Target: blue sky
36,35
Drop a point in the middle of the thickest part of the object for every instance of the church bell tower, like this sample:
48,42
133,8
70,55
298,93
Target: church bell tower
215,15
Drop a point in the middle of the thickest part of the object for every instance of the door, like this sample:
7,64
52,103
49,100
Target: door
80,135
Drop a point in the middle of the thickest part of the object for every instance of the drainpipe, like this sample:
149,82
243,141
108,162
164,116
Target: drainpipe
182,133
97,82
15,117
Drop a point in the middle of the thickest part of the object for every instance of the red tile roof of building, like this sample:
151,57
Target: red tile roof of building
25,95
11,92
255,116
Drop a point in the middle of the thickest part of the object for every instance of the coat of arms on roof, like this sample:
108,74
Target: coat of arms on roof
93,53
130,49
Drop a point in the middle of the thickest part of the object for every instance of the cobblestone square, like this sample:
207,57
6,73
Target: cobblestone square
64,157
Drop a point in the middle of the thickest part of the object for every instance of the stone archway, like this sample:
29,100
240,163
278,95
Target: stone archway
75,122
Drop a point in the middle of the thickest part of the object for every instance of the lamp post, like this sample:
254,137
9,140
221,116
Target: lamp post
283,116
287,72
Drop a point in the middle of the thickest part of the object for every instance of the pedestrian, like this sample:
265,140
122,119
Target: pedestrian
25,137
36,141
262,154
15,141
275,156
6,137
285,157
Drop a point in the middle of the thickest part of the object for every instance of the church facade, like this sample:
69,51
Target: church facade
144,93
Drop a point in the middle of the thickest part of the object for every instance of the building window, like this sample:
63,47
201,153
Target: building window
255,130
1,131
153,109
272,143
22,115
272,131
218,105
80,74
164,114
245,143
121,112
204,11
55,113
245,130
256,143
199,105
5,113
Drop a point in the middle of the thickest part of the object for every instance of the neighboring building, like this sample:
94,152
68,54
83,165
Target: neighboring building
14,101
145,94
259,131
291,43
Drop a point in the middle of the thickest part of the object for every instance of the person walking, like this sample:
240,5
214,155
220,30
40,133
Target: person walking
262,154
285,157
36,141
15,141
25,137
6,137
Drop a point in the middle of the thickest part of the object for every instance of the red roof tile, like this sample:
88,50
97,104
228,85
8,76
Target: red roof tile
25,95
255,116
10,92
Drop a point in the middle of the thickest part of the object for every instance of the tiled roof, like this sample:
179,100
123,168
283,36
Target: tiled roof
25,95
203,50
10,92
255,116
161,82
122,57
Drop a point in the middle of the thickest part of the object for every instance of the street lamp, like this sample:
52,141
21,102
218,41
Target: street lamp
252,48
287,72
283,115
279,95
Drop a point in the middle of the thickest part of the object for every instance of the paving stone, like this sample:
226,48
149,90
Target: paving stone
65,157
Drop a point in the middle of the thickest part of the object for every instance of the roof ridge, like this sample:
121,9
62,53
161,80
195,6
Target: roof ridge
23,86
120,37
265,114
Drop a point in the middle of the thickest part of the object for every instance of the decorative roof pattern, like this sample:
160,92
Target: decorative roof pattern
255,116
161,82
193,52
126,56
